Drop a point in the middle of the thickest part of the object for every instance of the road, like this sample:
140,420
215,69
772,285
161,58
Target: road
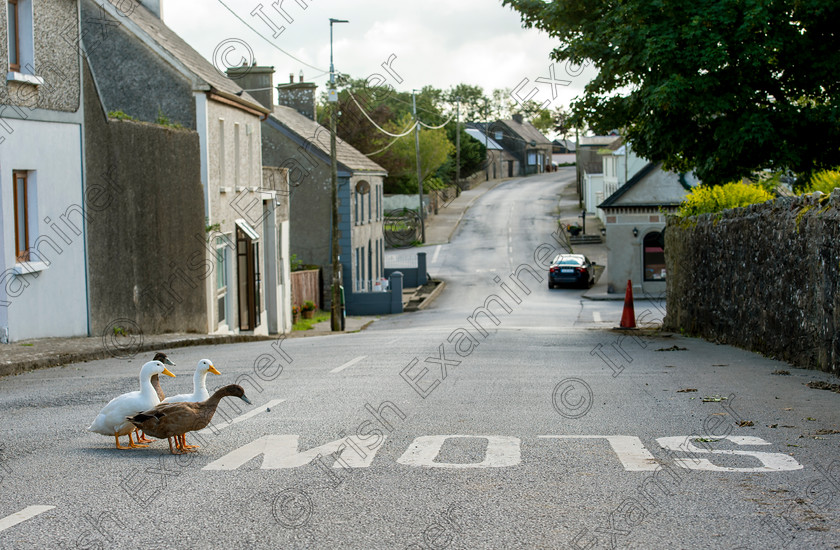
530,426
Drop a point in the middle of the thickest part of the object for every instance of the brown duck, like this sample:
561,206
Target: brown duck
169,420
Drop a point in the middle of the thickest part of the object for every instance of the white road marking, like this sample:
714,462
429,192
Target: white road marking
771,462
282,451
629,448
18,517
436,254
349,363
501,451
241,417
596,316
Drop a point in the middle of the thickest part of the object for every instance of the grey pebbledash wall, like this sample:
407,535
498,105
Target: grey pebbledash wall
765,277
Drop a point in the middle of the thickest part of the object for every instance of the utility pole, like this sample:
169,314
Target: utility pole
419,174
335,297
458,147
486,138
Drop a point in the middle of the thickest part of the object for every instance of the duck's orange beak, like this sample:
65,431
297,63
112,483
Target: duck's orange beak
167,373
213,370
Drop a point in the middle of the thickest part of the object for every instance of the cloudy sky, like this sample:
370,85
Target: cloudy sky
436,42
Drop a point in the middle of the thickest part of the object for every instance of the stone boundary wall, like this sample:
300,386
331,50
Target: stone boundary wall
765,277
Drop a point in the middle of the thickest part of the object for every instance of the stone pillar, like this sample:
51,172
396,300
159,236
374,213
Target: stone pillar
396,286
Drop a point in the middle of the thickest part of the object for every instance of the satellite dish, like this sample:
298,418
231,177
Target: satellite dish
533,143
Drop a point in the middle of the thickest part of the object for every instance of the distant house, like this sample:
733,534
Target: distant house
563,151
291,138
618,165
498,158
205,250
525,144
635,222
43,290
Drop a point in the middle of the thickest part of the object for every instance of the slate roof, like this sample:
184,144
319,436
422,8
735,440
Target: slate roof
480,136
526,131
319,138
203,71
597,141
614,200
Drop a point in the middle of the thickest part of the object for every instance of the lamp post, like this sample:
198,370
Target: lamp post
335,297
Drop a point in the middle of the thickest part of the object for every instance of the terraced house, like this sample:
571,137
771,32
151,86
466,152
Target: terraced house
42,249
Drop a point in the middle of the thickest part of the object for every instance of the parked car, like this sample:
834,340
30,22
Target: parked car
571,268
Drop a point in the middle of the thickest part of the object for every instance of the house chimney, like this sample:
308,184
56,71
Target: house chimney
291,78
256,80
517,118
154,6
300,96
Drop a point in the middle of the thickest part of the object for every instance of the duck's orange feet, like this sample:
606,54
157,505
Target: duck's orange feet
141,437
132,444
117,440
184,443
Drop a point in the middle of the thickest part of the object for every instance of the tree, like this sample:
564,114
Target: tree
400,158
722,87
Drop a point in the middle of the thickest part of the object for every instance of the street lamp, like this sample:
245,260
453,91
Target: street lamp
335,305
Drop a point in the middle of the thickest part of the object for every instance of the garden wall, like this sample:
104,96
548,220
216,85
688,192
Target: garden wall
764,277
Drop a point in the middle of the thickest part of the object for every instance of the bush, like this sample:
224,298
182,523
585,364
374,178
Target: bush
706,199
824,181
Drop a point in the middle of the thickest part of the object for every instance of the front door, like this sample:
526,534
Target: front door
248,280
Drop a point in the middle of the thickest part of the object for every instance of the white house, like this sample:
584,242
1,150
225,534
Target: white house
42,251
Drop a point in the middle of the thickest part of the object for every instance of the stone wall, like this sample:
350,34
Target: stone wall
764,277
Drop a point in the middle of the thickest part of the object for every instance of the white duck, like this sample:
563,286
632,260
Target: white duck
112,418
199,394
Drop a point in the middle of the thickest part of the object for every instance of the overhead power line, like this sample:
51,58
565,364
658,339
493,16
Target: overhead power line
258,33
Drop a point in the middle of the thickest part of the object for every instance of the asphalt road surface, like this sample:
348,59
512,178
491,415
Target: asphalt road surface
528,424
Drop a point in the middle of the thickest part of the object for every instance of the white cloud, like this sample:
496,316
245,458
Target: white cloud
437,42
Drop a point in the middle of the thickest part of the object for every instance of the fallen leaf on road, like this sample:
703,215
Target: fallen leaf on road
713,399
811,419
781,372
706,440
721,365
826,432
819,385
772,425
673,348
792,445
744,423
788,409
686,390
788,426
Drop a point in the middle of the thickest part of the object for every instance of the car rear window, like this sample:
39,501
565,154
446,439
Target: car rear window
569,261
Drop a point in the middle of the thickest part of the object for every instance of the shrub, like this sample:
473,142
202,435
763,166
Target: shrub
707,199
308,305
824,181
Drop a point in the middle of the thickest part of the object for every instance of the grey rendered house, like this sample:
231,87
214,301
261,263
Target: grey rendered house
635,223
224,267
43,290
292,139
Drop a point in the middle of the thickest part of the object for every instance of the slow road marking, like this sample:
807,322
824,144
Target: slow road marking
348,364
18,517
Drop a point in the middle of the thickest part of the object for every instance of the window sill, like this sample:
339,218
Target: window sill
26,268
14,76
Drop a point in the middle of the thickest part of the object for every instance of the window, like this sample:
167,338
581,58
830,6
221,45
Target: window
21,198
222,151
654,256
14,36
221,277
236,157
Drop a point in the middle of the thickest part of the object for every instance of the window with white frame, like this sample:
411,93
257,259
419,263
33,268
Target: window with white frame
221,277
20,36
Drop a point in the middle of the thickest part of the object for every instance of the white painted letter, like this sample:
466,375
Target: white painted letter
501,451
771,462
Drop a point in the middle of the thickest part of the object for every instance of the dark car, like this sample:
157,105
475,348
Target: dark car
571,269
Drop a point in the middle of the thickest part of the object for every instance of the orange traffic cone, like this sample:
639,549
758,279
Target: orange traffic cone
628,316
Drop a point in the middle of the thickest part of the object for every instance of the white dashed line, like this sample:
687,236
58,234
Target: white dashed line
241,417
27,513
436,254
596,316
349,363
